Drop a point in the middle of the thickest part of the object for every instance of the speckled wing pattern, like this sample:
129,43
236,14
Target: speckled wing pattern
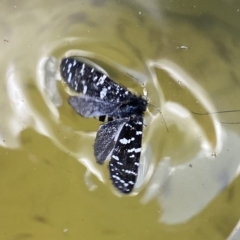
88,81
126,153
119,139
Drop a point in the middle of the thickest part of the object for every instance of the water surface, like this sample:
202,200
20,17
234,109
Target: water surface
185,54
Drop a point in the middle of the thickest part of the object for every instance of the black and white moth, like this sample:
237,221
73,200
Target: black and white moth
120,138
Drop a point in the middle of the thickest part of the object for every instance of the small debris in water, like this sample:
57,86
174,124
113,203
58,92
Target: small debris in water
214,155
183,47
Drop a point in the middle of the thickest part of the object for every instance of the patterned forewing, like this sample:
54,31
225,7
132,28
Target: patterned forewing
106,139
89,81
126,155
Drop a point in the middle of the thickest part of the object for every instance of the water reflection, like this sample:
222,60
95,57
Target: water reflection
139,45
178,180
184,184
184,176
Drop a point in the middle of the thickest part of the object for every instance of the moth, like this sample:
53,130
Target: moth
120,138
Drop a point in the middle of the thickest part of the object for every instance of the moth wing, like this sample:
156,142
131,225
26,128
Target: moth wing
89,107
126,155
87,80
106,139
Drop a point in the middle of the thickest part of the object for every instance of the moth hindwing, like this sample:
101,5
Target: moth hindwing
119,139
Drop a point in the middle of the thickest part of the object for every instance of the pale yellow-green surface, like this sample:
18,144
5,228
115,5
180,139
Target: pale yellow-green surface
186,54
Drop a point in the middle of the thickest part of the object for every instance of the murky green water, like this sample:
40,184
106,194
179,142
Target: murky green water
186,54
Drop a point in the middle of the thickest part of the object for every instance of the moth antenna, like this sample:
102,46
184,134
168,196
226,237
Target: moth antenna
207,113
142,84
145,94
230,122
160,114
219,112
